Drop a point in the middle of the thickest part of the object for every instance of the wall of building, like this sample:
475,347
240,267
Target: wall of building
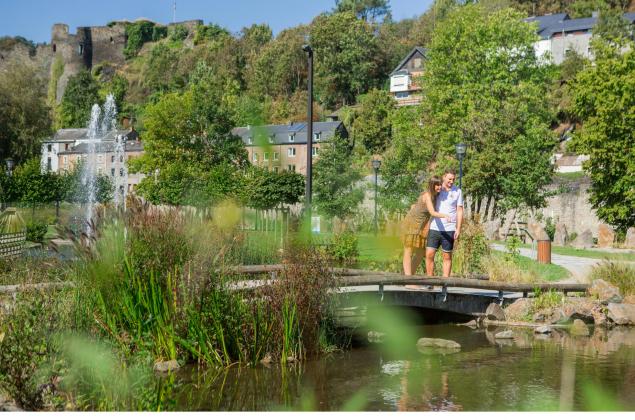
578,42
284,160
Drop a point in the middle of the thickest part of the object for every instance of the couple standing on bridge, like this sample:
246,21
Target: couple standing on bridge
433,221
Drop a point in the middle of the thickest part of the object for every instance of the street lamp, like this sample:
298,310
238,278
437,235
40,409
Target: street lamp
376,165
309,134
461,148
10,164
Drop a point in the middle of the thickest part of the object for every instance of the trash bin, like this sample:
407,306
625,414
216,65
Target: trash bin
544,251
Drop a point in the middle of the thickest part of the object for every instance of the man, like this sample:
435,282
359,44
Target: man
444,232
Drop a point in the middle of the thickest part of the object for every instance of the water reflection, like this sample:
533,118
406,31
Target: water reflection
527,373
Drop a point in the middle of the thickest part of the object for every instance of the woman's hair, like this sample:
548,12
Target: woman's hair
433,182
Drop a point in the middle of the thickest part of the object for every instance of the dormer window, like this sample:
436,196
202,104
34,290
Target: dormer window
317,136
250,140
292,137
272,138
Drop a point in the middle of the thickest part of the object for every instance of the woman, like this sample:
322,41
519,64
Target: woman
415,226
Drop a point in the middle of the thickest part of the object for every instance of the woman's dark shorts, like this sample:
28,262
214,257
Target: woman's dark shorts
445,239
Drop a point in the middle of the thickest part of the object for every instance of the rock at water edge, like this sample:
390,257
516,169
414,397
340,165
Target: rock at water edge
495,312
170,365
438,343
579,328
605,292
507,334
622,313
543,329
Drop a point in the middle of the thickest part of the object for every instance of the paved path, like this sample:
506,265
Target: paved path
579,267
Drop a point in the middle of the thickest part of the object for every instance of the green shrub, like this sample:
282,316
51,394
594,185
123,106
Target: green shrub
159,32
178,33
35,231
550,228
344,247
618,274
471,250
137,34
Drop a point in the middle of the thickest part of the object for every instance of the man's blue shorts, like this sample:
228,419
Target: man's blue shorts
445,239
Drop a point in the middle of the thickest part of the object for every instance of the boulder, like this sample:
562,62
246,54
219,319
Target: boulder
558,316
491,229
537,231
438,343
471,324
579,328
606,236
541,316
495,312
504,335
622,313
629,299
599,316
583,240
518,310
543,329
376,337
629,242
605,292
580,308
167,366
560,237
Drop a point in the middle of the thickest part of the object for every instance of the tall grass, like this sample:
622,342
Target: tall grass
619,274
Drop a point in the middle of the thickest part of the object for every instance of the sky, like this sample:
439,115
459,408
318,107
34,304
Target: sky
33,19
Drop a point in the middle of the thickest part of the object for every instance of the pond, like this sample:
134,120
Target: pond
530,372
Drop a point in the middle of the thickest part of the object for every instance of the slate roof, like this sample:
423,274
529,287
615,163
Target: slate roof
64,135
280,133
403,62
547,21
549,25
103,147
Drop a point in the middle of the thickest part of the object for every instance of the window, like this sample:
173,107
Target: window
255,157
250,140
54,48
276,156
417,63
291,168
65,160
402,95
292,137
49,147
317,136
276,169
265,156
314,151
272,138
112,171
291,152
100,158
48,164
112,159
121,158
66,146
120,171
81,49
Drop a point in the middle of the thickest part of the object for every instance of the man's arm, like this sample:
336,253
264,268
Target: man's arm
459,221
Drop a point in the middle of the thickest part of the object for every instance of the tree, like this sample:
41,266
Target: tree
368,10
372,127
335,178
266,190
345,58
604,99
484,85
24,115
82,92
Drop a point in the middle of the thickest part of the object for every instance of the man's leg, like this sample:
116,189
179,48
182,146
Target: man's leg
447,264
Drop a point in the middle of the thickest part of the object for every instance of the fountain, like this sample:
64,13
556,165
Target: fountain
101,123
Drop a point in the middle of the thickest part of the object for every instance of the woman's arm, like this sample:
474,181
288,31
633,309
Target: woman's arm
428,202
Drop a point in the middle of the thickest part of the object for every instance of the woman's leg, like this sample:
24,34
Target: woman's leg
419,253
407,261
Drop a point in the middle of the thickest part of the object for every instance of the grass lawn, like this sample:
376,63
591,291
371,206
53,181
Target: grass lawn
544,272
586,253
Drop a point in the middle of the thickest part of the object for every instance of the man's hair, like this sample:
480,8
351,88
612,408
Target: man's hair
449,171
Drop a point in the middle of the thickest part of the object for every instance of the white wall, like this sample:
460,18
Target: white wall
399,82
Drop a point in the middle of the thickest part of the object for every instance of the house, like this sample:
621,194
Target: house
403,79
560,34
284,147
68,147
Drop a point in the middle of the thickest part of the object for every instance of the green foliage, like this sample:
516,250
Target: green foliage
472,250
369,10
372,128
265,189
178,32
35,231
210,32
26,345
550,228
485,86
604,95
344,247
618,274
334,184
137,34
160,32
546,300
9,42
345,51
24,115
82,92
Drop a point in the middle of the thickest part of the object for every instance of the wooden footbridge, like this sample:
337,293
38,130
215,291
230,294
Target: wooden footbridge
457,295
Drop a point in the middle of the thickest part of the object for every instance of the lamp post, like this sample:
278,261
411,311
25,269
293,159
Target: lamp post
309,135
376,165
461,148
